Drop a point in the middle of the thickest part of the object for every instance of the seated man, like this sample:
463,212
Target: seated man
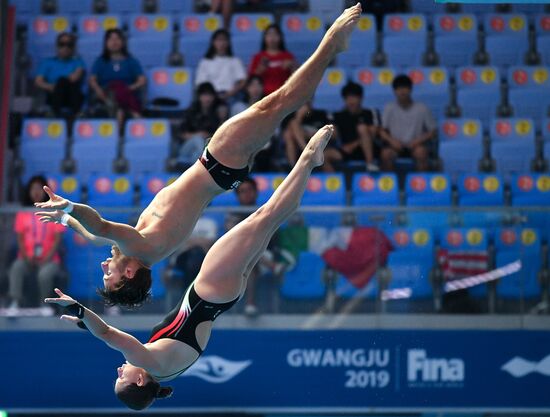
168,221
407,126
355,131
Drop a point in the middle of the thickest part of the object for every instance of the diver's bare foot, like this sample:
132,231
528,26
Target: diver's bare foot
317,144
338,33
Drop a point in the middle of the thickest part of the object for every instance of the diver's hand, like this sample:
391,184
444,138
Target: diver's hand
63,300
50,216
55,202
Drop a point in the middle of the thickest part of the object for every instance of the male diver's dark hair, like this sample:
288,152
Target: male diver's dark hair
402,80
138,398
132,292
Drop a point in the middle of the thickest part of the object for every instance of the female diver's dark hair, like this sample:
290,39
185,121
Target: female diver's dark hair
138,398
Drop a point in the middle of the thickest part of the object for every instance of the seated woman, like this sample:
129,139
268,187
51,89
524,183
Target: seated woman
220,68
177,342
118,74
61,77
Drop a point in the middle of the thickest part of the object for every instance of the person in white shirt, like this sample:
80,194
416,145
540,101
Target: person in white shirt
219,67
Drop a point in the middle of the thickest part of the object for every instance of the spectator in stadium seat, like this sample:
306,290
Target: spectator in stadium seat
219,67
300,128
61,77
407,127
38,249
355,131
118,76
200,121
253,92
273,63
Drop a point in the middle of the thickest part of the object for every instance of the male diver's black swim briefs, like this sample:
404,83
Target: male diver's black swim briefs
227,178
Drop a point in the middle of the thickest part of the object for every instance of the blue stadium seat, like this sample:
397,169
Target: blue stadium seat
376,83
545,129
506,38
361,46
147,145
477,9
42,33
431,87
375,190
111,190
174,6
427,7
82,260
425,190
124,6
528,8
150,38
91,30
324,190
467,240
43,143
512,144
304,31
404,39
460,145
95,146
195,33
481,190
455,38
25,10
151,184
172,83
267,184
529,92
305,281
246,33
514,244
411,261
532,191
542,27
328,94
74,7
68,186
478,92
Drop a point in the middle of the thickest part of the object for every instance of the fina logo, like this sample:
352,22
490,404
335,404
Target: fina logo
519,367
425,371
215,369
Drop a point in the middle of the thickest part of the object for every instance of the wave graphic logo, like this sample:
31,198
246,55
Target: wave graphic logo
215,369
519,367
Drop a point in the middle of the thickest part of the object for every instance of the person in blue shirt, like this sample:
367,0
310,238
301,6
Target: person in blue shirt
117,75
61,77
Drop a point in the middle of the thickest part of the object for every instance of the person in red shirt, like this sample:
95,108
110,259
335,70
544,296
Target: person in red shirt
273,63
38,245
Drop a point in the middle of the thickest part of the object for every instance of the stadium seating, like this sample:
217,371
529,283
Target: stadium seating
146,145
328,94
111,190
545,129
460,145
25,10
411,261
431,87
529,92
304,31
91,31
150,38
478,92
43,144
361,45
376,83
512,144
150,185
482,190
506,38
542,27
427,7
95,146
72,7
375,190
124,6
246,33
267,184
195,33
324,190
42,33
455,39
524,244
171,83
425,190
174,6
67,186
533,192
404,39
305,281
